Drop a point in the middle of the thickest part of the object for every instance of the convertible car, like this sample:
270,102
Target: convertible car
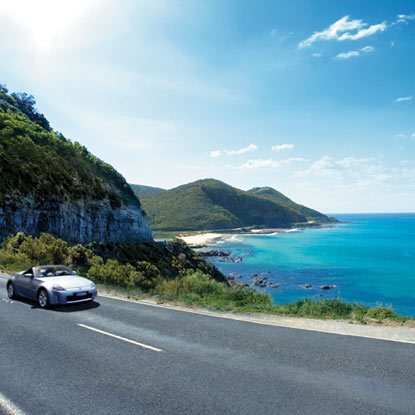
51,285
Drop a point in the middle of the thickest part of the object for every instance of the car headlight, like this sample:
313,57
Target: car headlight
57,287
92,285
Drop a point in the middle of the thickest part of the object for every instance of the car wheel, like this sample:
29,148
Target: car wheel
11,291
43,298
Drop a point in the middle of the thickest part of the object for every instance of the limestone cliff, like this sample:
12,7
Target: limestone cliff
80,221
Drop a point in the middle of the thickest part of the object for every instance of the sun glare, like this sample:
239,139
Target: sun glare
45,22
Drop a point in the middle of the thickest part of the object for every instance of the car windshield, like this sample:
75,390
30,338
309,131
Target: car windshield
53,271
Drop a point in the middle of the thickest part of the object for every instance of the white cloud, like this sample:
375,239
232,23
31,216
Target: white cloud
351,53
398,136
328,166
248,149
216,153
282,147
317,55
402,99
347,55
404,18
259,163
333,31
351,174
371,30
345,29
368,49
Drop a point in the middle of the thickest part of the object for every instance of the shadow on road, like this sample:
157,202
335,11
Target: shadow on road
62,308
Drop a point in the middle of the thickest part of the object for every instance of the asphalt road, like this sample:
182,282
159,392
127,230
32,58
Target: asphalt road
56,362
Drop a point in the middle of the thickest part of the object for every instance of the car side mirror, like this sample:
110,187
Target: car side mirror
28,275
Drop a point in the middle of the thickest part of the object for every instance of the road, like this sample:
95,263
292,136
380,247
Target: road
120,357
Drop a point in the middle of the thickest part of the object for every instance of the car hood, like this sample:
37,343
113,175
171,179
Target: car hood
67,281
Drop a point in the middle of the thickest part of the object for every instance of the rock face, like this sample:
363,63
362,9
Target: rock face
76,221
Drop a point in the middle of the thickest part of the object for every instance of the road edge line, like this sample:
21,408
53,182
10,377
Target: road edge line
264,323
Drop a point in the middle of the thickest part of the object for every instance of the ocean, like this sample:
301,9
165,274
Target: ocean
370,260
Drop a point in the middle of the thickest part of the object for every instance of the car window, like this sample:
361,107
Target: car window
53,271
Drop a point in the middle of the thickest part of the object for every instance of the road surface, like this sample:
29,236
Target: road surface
119,357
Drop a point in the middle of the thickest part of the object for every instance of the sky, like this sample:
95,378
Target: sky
314,98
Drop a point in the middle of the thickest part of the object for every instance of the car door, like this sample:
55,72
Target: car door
26,284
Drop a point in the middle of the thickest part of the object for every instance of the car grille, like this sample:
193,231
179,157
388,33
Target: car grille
78,297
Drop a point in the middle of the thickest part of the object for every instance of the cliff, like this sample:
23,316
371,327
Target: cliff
49,184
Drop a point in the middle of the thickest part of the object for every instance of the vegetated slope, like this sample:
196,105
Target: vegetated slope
49,184
211,204
139,189
278,197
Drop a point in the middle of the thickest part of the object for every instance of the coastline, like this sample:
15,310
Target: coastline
206,239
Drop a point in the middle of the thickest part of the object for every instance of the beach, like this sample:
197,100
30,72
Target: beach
206,239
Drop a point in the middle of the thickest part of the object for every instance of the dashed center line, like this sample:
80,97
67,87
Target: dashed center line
7,407
145,346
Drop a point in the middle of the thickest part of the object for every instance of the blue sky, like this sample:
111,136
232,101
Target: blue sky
314,98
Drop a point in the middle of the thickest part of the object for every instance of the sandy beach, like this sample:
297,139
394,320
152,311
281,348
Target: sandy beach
209,238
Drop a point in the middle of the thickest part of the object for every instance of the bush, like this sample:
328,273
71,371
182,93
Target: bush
381,313
13,262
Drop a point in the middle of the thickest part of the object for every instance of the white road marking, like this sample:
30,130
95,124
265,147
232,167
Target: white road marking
146,346
7,407
264,323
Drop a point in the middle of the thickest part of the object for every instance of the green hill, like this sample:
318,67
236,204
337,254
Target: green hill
278,197
50,184
139,189
211,204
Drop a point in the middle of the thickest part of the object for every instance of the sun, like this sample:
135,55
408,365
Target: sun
45,22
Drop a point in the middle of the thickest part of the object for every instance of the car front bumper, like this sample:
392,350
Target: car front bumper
72,296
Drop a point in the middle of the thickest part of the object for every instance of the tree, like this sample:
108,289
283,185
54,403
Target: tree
26,103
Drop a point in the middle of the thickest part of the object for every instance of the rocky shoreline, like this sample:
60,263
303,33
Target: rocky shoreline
261,279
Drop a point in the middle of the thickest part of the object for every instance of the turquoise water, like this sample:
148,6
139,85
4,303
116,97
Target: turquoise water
371,261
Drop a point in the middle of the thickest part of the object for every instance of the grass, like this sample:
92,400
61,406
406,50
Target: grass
198,290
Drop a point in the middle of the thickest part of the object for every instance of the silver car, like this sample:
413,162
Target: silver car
51,285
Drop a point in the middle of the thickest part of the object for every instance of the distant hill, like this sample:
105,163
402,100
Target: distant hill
211,204
278,197
139,189
50,184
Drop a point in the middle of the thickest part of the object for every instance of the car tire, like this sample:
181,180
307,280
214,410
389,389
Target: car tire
43,298
11,292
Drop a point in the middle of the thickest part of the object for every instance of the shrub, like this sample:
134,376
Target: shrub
380,313
79,256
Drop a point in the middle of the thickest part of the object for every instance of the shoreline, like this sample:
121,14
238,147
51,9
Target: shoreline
208,239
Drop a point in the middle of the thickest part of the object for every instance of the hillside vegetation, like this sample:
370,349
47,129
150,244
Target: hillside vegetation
211,204
139,189
36,161
278,197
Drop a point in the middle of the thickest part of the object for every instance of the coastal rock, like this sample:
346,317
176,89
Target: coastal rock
77,221
231,259
307,286
274,285
327,287
215,253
